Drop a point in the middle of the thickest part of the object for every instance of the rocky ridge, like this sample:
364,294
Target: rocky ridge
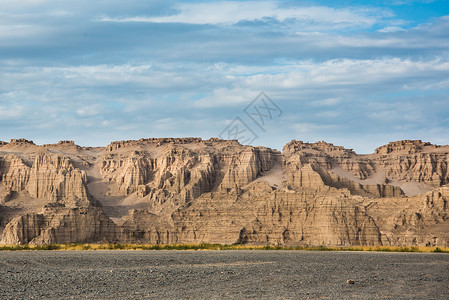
189,190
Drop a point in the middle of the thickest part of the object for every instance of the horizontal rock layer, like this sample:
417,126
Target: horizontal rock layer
189,190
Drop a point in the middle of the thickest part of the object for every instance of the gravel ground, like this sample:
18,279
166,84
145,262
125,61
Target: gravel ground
222,274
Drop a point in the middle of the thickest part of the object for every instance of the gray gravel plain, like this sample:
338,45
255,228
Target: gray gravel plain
222,275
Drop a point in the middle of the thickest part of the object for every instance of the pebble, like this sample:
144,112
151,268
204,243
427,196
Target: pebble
221,274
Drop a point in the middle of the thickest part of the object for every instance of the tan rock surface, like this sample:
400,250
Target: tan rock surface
190,190
56,225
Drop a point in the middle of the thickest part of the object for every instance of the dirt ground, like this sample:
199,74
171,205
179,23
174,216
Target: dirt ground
222,275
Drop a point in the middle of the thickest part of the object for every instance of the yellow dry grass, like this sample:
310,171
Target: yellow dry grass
71,247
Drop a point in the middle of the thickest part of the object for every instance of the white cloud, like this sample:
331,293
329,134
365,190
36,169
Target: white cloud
326,102
223,97
391,29
302,128
349,72
12,112
326,83
232,12
16,32
89,110
408,2
13,4
338,79
100,72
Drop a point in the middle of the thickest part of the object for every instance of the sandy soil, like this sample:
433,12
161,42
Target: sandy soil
114,206
411,188
273,177
101,190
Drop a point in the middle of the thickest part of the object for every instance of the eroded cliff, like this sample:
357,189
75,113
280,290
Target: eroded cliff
190,190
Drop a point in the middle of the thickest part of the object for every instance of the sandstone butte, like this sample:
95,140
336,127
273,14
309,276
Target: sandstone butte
189,190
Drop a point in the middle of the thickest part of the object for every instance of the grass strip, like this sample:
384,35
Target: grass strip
205,246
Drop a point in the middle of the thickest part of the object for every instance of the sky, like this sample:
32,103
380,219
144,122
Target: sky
354,73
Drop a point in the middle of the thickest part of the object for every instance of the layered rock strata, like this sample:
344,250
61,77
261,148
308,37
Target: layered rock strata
190,190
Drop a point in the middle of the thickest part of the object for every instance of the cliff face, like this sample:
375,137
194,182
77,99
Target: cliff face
191,190
51,178
415,161
60,225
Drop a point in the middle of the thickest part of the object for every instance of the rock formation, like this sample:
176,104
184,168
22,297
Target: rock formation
190,190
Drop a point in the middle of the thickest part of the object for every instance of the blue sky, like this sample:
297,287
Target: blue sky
354,73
